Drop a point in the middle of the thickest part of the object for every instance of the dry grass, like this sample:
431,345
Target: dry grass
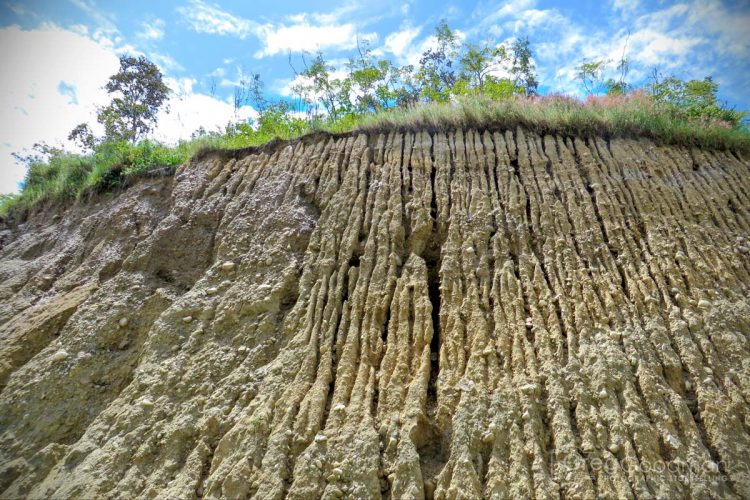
612,116
69,177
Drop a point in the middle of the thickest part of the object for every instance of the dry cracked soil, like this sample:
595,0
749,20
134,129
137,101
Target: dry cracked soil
406,315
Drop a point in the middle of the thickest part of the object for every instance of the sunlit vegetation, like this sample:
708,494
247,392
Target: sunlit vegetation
455,85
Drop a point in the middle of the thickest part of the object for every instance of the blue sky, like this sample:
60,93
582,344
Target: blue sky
56,55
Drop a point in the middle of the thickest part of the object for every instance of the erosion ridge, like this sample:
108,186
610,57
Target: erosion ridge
404,314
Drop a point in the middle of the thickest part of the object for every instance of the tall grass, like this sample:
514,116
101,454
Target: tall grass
67,177
635,115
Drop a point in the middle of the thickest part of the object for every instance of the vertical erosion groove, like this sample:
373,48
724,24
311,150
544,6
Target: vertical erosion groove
432,261
460,314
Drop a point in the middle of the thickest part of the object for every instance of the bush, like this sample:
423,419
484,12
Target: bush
147,154
8,202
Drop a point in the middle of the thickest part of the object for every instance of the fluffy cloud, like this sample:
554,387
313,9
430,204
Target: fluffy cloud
300,32
304,36
189,111
398,42
205,18
152,30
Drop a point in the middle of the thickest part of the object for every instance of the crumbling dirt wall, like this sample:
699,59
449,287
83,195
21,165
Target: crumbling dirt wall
405,315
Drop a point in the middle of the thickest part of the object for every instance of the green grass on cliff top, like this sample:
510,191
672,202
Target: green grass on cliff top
69,177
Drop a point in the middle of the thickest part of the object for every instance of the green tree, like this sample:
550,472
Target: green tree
499,88
386,85
364,75
476,64
522,67
695,98
139,92
406,89
590,74
436,74
82,136
616,87
620,86
317,88
274,116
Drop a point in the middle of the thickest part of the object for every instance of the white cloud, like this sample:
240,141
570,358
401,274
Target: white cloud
152,30
626,5
193,111
397,42
164,61
205,18
661,20
301,32
189,111
652,48
305,36
729,26
508,9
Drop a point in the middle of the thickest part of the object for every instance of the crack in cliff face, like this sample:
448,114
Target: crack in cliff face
432,261
382,316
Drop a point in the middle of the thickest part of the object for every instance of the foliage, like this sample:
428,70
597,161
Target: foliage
476,64
82,136
694,98
447,69
633,115
139,93
7,202
436,74
523,68
318,89
455,85
590,74
64,176
367,81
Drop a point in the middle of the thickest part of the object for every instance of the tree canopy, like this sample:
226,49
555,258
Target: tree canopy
138,93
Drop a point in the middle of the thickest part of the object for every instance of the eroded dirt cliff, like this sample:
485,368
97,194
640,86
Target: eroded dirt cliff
406,315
